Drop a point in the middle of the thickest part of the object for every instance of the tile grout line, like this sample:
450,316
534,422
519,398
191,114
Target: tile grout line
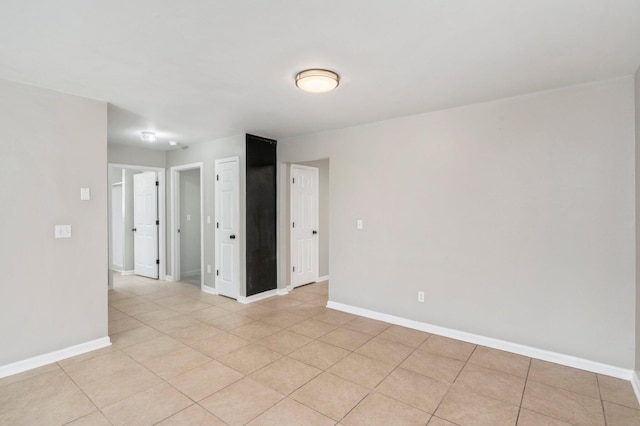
524,388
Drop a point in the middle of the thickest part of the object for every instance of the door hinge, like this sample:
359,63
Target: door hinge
217,177
217,272
157,183
157,261
293,224
217,225
157,222
294,269
293,180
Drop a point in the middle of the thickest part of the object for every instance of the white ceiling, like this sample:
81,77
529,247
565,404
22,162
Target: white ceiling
196,70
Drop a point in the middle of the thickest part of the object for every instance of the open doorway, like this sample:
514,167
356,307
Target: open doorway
130,251
187,224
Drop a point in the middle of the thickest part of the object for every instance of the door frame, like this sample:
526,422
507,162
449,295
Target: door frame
317,214
217,233
174,204
161,213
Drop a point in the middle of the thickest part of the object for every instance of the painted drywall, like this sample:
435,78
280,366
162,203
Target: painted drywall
117,227
637,157
323,214
207,153
124,154
515,217
189,223
54,291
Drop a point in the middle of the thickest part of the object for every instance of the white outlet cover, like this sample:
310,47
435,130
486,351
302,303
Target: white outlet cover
188,217
359,224
85,194
63,231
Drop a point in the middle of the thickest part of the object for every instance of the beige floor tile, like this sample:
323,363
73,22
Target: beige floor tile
88,355
255,331
571,379
220,344
362,370
212,299
564,405
345,338
319,354
205,380
285,341
506,362
313,328
115,314
385,350
194,415
208,314
434,366
124,324
29,374
445,346
378,409
466,408
530,418
190,306
230,321
241,402
285,375
178,322
491,383
335,317
617,391
94,419
177,362
280,303
131,337
158,315
173,300
148,407
406,336
140,308
282,319
196,333
330,395
618,415
414,389
257,311
307,310
291,413
250,358
124,302
152,348
99,367
367,326
437,421
117,386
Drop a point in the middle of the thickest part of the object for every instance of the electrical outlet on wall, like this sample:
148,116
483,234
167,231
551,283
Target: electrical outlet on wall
421,296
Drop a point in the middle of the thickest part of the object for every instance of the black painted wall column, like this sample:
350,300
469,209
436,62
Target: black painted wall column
261,215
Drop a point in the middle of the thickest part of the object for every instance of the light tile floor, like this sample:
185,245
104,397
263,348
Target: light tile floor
183,357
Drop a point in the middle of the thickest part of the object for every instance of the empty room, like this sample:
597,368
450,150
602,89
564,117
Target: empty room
302,213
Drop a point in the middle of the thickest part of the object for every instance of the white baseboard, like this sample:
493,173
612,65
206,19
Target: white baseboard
283,291
558,358
169,278
51,357
322,278
635,383
127,272
256,297
209,290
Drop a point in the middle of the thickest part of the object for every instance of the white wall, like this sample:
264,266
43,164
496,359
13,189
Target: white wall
207,153
516,218
637,158
131,155
189,222
54,291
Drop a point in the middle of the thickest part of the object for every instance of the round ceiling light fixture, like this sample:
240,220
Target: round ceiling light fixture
317,80
149,137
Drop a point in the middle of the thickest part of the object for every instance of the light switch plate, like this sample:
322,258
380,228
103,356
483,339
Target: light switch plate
63,231
85,194
359,224
188,217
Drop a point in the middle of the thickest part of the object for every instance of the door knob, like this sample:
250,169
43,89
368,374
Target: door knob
233,237
134,229
315,232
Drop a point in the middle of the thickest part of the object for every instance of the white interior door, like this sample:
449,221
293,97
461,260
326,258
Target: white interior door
227,226
304,224
117,227
145,224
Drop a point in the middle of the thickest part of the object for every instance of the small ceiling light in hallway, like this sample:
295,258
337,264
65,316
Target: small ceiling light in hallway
148,136
317,80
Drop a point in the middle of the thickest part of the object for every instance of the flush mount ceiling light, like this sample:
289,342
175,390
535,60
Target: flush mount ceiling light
317,81
173,143
148,136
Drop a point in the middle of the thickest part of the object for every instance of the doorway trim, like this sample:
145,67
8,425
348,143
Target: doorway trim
161,214
174,205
